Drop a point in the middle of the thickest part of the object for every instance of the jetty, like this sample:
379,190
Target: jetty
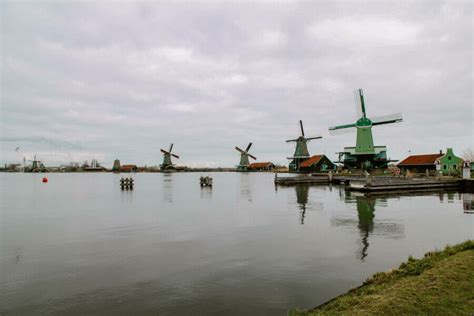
205,181
401,184
304,179
126,183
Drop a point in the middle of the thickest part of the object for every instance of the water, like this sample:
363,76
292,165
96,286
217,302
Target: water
79,245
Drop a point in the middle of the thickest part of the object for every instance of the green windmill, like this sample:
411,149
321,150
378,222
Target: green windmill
301,150
167,164
244,158
365,155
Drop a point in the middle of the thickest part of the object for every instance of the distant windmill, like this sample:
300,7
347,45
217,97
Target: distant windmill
35,164
365,155
167,164
301,150
244,158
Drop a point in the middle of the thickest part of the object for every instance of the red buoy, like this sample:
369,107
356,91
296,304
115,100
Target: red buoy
45,180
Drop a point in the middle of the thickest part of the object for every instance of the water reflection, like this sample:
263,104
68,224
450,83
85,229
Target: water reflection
468,203
168,187
366,223
302,199
206,192
245,187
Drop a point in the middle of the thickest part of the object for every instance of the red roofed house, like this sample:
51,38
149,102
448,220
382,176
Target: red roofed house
317,163
448,163
420,163
259,166
128,168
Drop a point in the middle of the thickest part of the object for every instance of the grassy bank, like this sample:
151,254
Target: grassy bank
441,283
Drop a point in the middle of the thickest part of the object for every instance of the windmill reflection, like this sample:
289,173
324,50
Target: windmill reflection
168,187
365,211
366,221
302,199
245,187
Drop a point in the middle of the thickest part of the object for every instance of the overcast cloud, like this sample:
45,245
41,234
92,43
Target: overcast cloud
83,80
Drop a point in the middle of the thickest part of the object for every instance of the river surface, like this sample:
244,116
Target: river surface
78,245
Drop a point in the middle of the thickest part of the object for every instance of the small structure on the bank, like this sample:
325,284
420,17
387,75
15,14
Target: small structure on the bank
301,151
261,166
126,183
466,170
167,164
116,166
317,163
365,155
244,158
445,163
94,167
450,163
420,163
205,181
128,168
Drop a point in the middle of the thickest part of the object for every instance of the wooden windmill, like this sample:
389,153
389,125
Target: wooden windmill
35,164
244,158
301,150
167,164
365,155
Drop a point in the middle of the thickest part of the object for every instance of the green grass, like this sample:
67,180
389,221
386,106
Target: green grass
441,283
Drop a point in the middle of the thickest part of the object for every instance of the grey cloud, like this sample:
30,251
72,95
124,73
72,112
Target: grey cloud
124,79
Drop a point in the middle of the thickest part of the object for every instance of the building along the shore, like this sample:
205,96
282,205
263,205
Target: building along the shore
447,163
450,163
261,166
317,163
128,168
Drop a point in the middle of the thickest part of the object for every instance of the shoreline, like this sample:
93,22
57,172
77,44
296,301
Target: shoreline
439,283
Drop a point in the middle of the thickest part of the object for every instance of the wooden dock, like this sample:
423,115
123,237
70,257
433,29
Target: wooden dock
401,184
302,179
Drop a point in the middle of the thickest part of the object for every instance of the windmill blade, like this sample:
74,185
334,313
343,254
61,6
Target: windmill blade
176,156
238,149
358,100
171,147
292,140
333,128
248,147
340,131
164,151
387,119
302,130
253,157
315,137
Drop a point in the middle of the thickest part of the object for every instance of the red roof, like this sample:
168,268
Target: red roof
258,165
311,161
420,160
128,167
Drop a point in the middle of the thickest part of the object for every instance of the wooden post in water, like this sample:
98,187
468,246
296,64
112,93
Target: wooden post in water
126,183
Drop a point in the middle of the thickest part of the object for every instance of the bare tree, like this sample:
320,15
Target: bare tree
468,154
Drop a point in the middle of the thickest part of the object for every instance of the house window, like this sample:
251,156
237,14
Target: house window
454,167
449,158
445,167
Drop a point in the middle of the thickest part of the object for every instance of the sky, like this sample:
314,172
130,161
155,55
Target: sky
84,80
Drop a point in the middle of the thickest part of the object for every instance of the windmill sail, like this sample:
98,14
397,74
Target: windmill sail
386,119
358,102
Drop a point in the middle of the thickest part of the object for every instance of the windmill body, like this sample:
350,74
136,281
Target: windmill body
244,158
364,155
167,163
301,150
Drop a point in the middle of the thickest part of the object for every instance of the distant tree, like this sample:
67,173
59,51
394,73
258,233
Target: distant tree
468,154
